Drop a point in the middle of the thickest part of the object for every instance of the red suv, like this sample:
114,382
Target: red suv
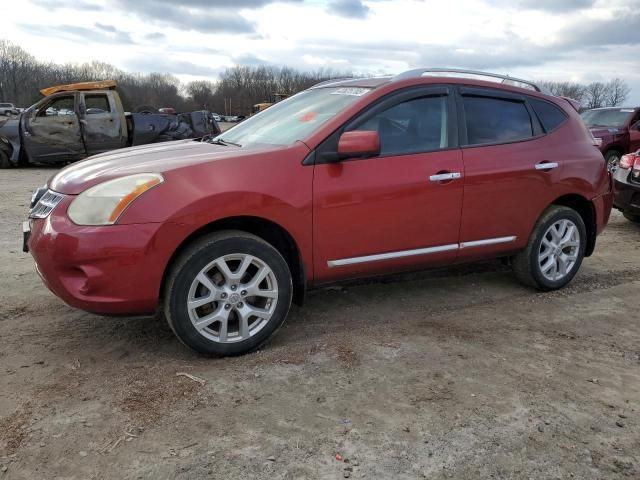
348,179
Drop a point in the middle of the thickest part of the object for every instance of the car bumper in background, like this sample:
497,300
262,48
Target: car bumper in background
626,192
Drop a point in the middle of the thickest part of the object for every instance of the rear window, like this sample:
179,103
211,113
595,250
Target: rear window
96,104
496,120
8,105
550,116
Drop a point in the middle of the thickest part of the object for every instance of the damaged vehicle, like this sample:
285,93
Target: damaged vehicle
79,120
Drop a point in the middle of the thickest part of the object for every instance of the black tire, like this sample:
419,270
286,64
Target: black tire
4,159
631,217
526,265
612,158
196,257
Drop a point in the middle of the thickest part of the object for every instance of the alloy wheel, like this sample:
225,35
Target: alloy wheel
232,298
559,250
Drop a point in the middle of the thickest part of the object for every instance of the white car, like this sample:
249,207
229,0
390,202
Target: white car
7,109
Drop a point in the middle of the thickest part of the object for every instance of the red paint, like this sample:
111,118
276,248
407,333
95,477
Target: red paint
358,143
332,211
308,117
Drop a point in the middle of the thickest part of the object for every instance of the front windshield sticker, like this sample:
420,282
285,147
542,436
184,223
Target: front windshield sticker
308,117
357,92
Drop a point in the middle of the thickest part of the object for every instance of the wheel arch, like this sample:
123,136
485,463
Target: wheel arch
587,211
614,147
269,231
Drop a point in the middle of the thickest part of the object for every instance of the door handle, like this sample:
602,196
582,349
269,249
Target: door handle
546,165
440,177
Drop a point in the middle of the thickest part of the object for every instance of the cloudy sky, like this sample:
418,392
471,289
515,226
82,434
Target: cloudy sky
579,40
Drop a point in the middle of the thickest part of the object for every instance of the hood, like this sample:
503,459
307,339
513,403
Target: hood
154,158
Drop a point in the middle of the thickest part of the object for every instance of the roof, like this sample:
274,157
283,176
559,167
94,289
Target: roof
435,73
99,85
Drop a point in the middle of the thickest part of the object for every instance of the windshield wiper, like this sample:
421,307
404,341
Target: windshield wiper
221,141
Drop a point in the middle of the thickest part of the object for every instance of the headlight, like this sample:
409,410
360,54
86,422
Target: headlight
104,203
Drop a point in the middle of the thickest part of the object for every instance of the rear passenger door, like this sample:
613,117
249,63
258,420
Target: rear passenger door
101,123
511,173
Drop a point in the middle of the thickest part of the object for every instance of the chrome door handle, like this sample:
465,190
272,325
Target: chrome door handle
439,177
546,165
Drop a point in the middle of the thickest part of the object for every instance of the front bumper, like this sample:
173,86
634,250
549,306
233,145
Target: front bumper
115,269
626,192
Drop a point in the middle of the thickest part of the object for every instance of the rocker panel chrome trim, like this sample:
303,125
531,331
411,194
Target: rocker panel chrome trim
418,251
388,256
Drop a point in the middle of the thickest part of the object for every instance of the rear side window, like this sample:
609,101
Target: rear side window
96,104
496,120
550,116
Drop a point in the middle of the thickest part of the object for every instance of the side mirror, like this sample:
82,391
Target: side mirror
363,143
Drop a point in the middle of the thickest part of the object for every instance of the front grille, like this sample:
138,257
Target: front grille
45,205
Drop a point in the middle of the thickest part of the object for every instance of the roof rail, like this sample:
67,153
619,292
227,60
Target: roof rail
460,73
325,83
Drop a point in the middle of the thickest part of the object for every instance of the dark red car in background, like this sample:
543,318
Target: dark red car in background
616,129
347,179
626,186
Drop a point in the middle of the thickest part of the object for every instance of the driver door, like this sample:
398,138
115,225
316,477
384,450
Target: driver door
399,210
52,131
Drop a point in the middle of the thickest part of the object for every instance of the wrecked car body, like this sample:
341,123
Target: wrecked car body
76,121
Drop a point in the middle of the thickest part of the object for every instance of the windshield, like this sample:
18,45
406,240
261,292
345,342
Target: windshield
607,118
294,118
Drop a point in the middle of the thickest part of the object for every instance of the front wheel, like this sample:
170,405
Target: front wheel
228,293
612,159
555,250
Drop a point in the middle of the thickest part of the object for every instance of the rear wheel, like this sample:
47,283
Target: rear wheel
228,293
631,217
555,250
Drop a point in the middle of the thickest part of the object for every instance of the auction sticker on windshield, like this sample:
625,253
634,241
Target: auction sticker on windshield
357,92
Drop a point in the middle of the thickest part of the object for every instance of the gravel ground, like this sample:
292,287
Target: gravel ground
459,373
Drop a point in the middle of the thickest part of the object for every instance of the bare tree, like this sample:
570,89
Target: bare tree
566,89
617,92
595,95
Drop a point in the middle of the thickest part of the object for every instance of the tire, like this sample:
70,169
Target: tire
4,159
631,217
528,264
612,158
226,300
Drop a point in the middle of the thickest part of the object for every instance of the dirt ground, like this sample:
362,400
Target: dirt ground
459,373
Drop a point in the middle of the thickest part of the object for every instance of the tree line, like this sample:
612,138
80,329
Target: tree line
593,95
234,93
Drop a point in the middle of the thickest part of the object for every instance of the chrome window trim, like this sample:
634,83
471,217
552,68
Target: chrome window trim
419,251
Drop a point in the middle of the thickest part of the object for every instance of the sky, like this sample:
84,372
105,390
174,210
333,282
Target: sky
570,40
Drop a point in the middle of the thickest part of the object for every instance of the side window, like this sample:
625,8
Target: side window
96,104
550,116
496,120
58,106
417,125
